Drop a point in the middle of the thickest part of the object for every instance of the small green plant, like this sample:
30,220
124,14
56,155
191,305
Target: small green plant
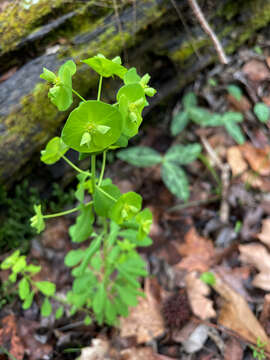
205,118
208,278
107,269
259,350
172,173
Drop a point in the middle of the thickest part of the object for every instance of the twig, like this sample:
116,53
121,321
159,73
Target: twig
206,27
193,204
225,179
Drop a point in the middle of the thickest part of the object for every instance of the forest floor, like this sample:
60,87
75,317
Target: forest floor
223,229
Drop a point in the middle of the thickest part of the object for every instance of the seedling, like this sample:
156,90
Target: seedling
259,350
107,267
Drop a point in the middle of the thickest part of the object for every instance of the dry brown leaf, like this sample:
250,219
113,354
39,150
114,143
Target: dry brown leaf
264,235
97,351
197,293
258,159
9,338
233,350
141,353
265,314
145,321
236,161
241,105
256,70
197,252
257,255
236,315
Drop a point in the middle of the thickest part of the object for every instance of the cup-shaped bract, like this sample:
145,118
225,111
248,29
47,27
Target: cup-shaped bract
103,123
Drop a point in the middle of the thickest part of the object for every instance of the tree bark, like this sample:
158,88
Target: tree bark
149,34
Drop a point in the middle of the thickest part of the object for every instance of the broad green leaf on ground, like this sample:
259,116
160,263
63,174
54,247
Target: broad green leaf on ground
189,100
53,151
175,179
141,156
46,287
201,116
179,122
82,229
236,133
183,154
37,221
262,112
102,122
232,116
126,207
105,67
104,196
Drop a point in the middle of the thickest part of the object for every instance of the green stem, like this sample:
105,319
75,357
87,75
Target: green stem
93,171
62,213
75,167
79,96
99,88
102,168
105,193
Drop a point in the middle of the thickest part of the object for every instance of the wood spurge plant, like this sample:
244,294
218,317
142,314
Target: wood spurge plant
112,225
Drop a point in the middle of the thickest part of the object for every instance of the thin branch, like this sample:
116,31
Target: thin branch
206,27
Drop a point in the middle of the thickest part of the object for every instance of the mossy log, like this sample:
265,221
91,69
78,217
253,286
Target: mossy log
148,33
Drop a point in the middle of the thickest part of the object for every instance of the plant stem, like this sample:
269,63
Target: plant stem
99,88
93,171
79,96
105,193
102,167
65,212
75,167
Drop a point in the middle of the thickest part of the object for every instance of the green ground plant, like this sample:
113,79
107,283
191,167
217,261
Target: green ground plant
111,225
259,350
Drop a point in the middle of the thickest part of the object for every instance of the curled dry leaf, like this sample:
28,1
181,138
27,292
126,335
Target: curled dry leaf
236,161
97,351
258,159
265,314
197,252
236,315
144,321
197,293
264,235
9,338
258,256
256,70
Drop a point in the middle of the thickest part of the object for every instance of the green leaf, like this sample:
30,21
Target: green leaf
126,207
82,283
105,67
87,320
54,150
121,307
24,288
37,221
262,112
102,202
74,257
232,116
128,297
131,100
181,154
79,193
48,75
179,122
10,260
92,249
235,91
203,117
78,300
46,308
28,301
235,132
66,71
175,179
46,287
189,100
131,77
83,228
59,312
134,236
32,269
110,312
142,156
144,219
208,278
87,117
99,299
19,265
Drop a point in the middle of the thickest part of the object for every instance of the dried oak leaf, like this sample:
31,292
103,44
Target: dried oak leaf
236,315
264,235
145,320
256,70
9,338
197,294
258,159
236,161
197,252
258,256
